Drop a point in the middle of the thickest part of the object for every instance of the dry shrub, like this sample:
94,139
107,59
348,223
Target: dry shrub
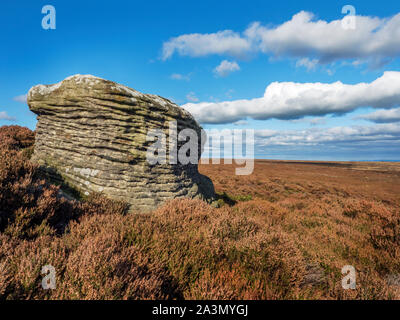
385,234
199,243
96,203
6,275
369,286
24,261
16,137
33,219
228,284
96,266
328,215
230,226
102,266
284,232
29,205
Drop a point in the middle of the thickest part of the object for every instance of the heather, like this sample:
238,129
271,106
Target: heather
284,232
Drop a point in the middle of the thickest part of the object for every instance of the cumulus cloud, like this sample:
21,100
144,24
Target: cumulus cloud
374,40
197,45
290,100
5,116
317,136
302,35
311,122
241,123
377,142
383,116
22,98
225,68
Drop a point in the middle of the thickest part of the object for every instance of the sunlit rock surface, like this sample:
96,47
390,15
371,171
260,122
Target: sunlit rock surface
91,135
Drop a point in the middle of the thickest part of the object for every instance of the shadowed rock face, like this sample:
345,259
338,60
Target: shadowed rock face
91,135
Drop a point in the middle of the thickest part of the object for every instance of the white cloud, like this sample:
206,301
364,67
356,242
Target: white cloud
383,116
241,123
303,36
191,96
377,142
312,122
22,98
178,76
373,142
309,64
380,141
318,136
197,45
290,100
374,40
5,116
226,67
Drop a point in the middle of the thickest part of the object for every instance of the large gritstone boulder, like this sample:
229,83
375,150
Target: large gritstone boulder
93,135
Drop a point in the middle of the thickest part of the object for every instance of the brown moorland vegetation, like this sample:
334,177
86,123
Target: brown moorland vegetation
284,232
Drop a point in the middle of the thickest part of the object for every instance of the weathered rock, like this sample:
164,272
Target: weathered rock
91,135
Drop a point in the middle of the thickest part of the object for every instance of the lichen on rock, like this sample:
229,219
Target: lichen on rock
92,135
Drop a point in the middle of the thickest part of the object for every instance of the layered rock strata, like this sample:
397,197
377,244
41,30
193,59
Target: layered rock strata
93,135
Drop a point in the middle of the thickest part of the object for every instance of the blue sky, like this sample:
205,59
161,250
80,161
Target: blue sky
177,49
